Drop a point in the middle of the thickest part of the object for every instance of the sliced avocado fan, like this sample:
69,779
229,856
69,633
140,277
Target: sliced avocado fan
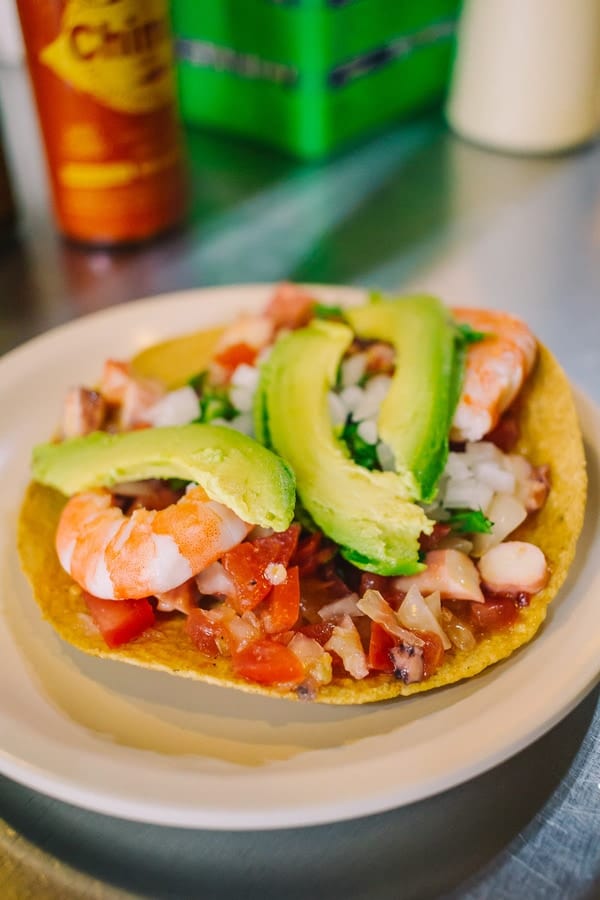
366,512
232,468
415,416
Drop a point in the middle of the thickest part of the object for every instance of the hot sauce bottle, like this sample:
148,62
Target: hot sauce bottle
103,81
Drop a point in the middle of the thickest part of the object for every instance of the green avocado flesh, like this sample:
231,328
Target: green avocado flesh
365,512
415,416
232,468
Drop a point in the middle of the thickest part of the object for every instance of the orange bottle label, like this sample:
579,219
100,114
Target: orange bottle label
114,54
102,72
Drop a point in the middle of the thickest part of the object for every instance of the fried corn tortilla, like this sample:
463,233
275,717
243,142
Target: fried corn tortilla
549,435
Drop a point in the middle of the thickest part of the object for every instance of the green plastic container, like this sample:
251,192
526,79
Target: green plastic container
308,76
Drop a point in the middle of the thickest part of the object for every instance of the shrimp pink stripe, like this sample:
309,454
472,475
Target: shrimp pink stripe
149,552
496,368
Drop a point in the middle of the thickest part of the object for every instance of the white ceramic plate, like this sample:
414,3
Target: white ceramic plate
152,747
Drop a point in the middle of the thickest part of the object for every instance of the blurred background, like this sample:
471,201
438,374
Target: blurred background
156,145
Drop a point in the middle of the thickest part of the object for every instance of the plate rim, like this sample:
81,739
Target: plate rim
182,816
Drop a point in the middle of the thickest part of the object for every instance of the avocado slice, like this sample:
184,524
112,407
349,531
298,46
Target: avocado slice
232,468
178,359
366,512
415,416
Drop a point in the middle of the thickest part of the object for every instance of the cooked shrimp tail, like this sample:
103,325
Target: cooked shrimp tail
496,368
114,556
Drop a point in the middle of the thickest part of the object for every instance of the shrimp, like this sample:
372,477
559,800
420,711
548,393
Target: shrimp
117,557
84,411
134,396
496,367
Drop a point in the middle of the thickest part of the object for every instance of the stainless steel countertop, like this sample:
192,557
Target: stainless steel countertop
413,207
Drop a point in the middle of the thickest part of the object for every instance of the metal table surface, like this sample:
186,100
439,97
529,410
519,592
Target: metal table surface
414,206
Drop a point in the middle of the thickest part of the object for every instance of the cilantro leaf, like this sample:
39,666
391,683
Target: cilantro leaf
470,335
470,521
216,405
362,453
324,311
177,484
198,381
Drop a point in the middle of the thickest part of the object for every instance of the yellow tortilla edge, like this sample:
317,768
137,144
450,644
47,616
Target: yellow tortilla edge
550,434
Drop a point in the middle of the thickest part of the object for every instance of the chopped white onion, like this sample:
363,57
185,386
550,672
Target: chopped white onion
467,494
460,634
345,605
415,613
337,410
313,657
385,457
242,397
351,397
434,602
367,431
458,542
175,408
480,450
495,476
379,610
353,369
506,513
457,466
245,376
345,641
244,629
372,396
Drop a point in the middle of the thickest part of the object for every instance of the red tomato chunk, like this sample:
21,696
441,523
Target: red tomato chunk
283,604
382,642
246,565
120,621
379,649
234,356
494,614
433,652
203,631
269,662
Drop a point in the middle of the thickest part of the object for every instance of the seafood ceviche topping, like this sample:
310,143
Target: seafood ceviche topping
331,495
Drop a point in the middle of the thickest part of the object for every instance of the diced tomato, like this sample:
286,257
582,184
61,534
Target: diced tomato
283,637
379,649
204,631
313,551
319,632
433,652
233,356
120,621
115,377
290,306
281,544
318,592
385,585
382,642
493,614
246,565
283,604
269,662
305,556
429,542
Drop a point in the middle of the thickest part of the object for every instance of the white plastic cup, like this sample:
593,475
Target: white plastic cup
527,74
